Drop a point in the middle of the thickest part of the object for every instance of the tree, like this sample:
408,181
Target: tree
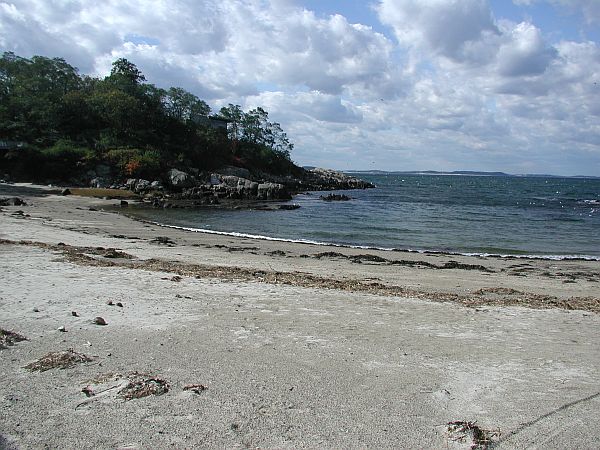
184,106
126,70
235,114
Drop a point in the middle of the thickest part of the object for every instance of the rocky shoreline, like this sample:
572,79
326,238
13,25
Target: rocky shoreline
232,186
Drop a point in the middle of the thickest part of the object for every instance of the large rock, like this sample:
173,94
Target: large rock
272,191
179,179
141,186
235,171
156,186
326,179
130,183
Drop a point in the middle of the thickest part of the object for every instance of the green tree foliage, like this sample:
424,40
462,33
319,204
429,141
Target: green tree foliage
70,122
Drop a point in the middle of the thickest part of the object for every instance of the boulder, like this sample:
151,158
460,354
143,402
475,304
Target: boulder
141,186
130,183
326,179
335,198
272,191
156,186
179,179
239,172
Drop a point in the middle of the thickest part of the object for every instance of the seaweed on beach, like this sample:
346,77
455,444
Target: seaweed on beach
164,240
58,360
462,431
329,255
484,297
114,253
196,388
359,259
9,338
142,385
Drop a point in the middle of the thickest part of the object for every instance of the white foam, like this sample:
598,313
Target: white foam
366,247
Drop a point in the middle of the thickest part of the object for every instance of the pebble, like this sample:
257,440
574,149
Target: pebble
100,321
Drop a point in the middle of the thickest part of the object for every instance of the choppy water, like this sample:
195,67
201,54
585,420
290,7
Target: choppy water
463,214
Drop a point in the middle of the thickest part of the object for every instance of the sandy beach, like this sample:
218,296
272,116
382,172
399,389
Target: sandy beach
244,343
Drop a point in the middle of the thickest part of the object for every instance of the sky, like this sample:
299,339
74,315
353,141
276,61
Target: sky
490,85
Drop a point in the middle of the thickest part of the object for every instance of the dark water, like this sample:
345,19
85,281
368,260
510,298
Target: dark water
464,214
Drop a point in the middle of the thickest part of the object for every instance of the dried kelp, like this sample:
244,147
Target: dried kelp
58,360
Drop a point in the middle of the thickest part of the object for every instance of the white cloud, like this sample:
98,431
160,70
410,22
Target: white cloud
454,87
307,106
524,52
450,28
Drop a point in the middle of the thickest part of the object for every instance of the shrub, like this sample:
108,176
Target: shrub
135,162
66,160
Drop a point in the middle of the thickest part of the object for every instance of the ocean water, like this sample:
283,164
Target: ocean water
546,217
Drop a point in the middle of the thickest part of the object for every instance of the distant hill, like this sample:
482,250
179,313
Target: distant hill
461,172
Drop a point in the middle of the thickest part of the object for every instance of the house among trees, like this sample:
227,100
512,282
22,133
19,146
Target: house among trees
216,122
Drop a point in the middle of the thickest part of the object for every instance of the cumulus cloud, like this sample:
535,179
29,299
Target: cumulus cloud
221,47
524,52
451,28
312,105
449,86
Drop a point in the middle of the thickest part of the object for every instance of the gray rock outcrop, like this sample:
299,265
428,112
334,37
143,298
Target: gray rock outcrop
179,179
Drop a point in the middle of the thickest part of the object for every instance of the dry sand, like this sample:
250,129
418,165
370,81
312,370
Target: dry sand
283,345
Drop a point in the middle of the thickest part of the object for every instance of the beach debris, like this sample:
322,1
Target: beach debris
110,303
100,321
58,360
142,385
463,431
62,329
196,388
359,259
74,314
12,201
165,240
88,391
9,338
456,265
114,253
329,255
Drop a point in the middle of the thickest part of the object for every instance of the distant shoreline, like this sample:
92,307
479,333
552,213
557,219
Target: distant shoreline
466,173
